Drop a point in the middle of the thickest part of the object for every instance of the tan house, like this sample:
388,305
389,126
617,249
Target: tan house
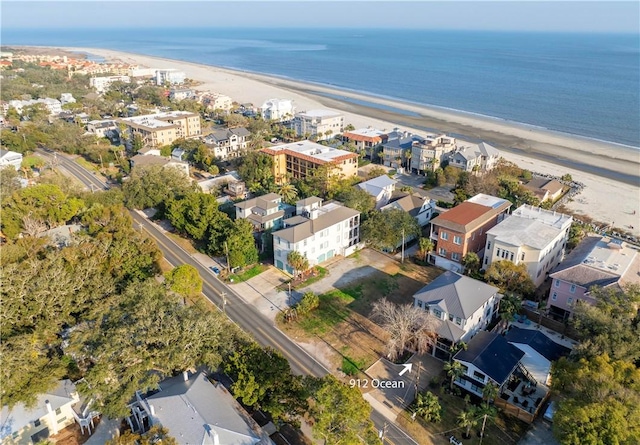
299,159
366,140
161,129
545,189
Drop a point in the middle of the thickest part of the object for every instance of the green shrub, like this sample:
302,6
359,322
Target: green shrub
308,303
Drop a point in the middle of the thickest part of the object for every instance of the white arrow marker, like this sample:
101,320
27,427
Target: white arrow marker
407,367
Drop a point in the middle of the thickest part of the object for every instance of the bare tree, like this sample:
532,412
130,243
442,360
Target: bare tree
409,327
33,226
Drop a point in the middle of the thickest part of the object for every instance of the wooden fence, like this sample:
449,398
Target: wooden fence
547,322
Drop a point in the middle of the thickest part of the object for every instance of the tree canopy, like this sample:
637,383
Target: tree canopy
384,230
184,280
151,186
510,277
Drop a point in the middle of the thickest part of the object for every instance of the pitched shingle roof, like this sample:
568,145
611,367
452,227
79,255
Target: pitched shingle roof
492,355
546,347
307,229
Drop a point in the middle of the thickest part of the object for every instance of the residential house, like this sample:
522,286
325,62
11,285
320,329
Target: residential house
491,359
321,123
53,106
531,236
367,140
596,261
463,305
67,98
540,351
106,128
264,212
429,153
178,154
135,71
228,143
318,232
148,160
297,160
164,128
102,84
229,183
545,189
381,188
480,157
50,413
277,110
196,411
397,149
170,76
420,207
10,158
463,229
178,94
217,101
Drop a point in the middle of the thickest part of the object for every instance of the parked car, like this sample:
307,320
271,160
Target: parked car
215,270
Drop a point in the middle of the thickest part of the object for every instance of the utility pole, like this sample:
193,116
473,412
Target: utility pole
484,421
226,251
418,379
290,300
402,260
383,432
224,302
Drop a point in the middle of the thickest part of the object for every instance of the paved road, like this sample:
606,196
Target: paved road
244,315
89,179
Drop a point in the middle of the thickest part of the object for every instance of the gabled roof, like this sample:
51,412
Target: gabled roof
195,411
330,215
476,150
456,294
492,355
462,217
264,202
542,344
450,331
409,203
377,185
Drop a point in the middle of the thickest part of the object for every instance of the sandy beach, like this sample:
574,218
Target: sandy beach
610,172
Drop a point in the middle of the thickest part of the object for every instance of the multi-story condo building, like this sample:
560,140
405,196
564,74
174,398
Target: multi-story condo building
264,212
463,229
170,76
102,84
596,261
163,128
227,144
367,140
299,159
277,110
428,154
318,232
321,123
480,157
531,236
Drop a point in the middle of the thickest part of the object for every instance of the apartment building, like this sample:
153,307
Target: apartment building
170,76
531,236
228,143
299,159
277,110
596,261
161,129
480,157
321,123
318,232
429,153
463,229
367,140
102,84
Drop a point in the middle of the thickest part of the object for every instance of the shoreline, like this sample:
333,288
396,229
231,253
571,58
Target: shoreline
610,172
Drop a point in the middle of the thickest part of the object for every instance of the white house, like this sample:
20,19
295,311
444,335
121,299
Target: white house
217,101
53,105
67,98
464,305
323,123
381,188
10,158
277,109
531,236
474,157
170,76
102,84
51,412
420,207
228,143
427,154
102,128
318,232
264,212
178,94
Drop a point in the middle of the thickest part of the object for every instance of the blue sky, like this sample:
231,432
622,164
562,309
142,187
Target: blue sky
567,15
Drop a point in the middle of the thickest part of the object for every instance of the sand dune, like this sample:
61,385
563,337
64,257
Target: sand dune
610,172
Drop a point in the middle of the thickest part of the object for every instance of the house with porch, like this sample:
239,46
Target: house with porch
318,231
381,188
480,157
264,212
420,207
463,305
428,154
397,150
491,359
228,143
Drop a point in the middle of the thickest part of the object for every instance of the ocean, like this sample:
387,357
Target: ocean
580,84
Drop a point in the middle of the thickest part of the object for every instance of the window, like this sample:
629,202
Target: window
437,313
419,303
36,423
58,411
444,235
488,242
450,317
455,256
458,321
554,296
457,240
522,257
570,301
511,256
556,283
478,375
573,288
442,252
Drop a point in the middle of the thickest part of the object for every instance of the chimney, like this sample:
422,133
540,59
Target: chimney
152,410
185,375
48,405
313,214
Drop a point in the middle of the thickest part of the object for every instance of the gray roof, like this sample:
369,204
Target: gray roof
261,219
308,201
491,354
263,200
195,410
450,331
519,231
223,135
456,294
325,220
476,150
409,203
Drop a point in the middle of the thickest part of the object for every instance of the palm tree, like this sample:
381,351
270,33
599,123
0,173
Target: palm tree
510,304
288,192
490,392
454,370
459,346
468,419
471,262
425,245
428,407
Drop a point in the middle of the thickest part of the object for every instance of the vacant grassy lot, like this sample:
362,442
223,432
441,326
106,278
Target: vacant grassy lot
248,273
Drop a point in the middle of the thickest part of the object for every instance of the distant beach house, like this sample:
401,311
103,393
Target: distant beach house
318,232
217,101
10,158
103,83
420,207
531,236
480,157
463,229
366,140
103,128
277,110
596,261
265,212
381,188
545,189
170,76
397,149
428,154
178,94
53,106
228,143
148,160
323,124
297,160
67,98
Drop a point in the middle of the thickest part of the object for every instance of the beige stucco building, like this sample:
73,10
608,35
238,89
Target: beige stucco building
161,129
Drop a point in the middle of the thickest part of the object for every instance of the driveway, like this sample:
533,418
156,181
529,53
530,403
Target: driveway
261,292
539,434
